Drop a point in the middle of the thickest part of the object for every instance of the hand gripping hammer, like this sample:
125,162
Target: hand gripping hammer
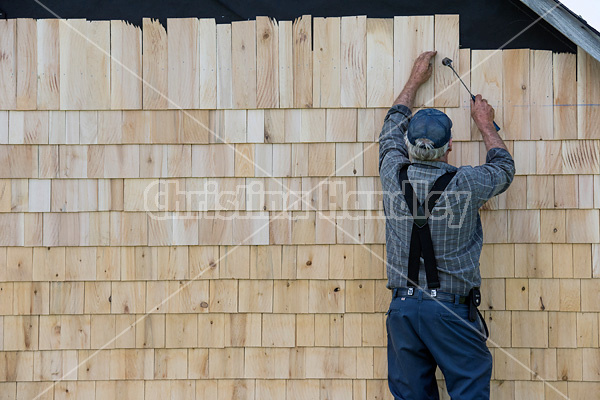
448,63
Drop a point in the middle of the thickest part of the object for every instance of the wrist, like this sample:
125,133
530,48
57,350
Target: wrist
487,128
413,83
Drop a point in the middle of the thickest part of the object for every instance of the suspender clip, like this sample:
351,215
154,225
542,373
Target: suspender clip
411,291
433,292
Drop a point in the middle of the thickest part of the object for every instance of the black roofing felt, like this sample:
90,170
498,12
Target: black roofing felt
484,24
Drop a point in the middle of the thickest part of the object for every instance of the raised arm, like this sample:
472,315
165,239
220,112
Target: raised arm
392,148
421,72
483,115
496,175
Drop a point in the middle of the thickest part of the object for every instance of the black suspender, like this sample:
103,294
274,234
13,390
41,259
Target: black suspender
421,244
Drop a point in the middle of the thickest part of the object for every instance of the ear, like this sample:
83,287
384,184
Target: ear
450,145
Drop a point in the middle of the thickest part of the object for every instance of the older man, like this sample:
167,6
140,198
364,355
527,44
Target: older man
434,239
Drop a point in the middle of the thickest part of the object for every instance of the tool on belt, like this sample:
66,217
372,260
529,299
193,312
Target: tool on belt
474,300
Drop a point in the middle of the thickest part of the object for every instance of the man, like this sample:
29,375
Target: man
433,252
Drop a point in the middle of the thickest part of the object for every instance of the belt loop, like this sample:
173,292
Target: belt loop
394,293
420,295
456,300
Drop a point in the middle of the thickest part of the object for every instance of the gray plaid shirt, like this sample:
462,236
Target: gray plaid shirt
455,223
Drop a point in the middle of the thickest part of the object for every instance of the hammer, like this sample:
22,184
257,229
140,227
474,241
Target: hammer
448,63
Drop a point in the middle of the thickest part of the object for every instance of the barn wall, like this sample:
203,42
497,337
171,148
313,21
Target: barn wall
198,213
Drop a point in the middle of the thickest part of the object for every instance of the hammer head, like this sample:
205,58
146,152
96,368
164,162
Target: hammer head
447,62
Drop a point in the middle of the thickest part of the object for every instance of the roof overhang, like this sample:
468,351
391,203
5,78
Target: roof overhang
568,23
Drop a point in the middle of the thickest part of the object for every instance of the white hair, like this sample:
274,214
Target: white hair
423,150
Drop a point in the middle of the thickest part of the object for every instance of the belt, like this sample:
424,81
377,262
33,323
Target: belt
429,294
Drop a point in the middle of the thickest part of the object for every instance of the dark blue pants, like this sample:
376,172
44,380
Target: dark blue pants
424,334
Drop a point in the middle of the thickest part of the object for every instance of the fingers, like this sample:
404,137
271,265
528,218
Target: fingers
427,55
478,99
422,68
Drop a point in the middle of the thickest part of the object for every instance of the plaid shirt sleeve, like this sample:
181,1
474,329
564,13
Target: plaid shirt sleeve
493,177
393,153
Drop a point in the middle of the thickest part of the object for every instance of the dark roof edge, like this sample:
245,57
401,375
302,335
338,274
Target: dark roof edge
568,23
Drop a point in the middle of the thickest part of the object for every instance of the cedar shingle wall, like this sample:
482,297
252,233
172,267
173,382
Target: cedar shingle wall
214,230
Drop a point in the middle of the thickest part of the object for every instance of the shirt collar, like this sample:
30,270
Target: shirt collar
437,164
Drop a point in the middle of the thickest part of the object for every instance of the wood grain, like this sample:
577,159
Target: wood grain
48,64
516,93
183,78
564,73
243,59
26,64
302,61
155,65
286,65
84,65
326,62
125,66
588,95
487,80
267,63
541,95
353,61
380,62
446,84
224,68
8,64
207,54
